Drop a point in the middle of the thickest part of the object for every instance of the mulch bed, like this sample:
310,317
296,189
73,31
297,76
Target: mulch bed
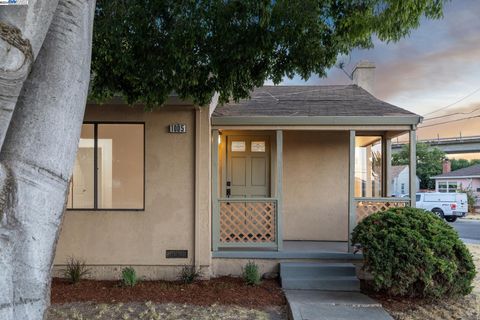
223,290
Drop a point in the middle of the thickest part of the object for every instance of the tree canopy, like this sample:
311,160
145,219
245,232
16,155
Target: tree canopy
429,162
463,163
144,50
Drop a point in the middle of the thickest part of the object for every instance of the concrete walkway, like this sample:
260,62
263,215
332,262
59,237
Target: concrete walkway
323,305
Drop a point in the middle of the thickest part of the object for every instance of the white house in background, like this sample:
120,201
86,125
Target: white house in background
399,183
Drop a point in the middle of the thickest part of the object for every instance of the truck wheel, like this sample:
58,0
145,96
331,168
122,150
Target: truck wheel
438,212
451,219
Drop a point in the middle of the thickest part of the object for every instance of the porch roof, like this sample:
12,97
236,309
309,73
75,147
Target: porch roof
312,105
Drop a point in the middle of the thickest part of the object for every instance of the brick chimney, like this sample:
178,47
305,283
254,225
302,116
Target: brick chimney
363,75
447,166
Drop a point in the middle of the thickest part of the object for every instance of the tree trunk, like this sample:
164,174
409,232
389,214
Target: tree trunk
22,32
37,158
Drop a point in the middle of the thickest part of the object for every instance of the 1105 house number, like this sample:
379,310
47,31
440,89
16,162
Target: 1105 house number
177,128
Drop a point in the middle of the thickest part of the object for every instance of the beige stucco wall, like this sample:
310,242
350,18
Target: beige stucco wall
315,185
174,214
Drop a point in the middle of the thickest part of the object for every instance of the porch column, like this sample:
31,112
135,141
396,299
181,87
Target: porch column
387,165
352,210
215,206
279,189
413,167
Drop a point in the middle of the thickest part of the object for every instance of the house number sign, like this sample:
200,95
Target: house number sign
177,128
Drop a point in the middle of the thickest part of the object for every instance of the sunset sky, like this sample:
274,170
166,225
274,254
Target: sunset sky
437,65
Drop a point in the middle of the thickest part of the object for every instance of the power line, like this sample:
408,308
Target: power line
437,124
451,115
454,103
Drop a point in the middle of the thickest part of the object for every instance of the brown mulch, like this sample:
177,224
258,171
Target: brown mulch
397,304
223,290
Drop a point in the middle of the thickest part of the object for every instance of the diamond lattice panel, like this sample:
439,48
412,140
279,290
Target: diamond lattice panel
247,222
366,208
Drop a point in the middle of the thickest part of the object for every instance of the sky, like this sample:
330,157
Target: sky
437,65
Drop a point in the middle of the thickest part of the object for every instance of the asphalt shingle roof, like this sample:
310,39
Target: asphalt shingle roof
291,101
464,172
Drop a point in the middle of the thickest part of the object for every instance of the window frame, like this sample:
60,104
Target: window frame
447,186
95,173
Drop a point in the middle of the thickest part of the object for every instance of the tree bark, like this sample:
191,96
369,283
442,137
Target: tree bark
22,32
37,158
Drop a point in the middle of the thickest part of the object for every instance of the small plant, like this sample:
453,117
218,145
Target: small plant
251,275
129,277
471,199
75,270
189,274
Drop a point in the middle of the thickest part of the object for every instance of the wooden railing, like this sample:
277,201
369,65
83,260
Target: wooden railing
366,206
248,222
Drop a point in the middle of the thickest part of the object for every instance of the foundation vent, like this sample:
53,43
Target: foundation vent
177,254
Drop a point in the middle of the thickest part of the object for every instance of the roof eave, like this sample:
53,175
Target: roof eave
457,177
315,120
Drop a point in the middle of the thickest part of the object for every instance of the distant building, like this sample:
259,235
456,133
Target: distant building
462,179
399,183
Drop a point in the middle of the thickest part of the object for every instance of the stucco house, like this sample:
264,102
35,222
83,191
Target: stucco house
462,179
400,181
283,176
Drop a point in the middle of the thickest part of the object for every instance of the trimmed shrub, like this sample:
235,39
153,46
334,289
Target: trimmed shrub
75,270
189,274
251,274
129,277
411,252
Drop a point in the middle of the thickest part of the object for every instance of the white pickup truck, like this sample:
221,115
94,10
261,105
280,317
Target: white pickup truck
445,205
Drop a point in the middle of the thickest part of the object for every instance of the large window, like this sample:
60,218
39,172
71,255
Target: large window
368,166
448,186
109,169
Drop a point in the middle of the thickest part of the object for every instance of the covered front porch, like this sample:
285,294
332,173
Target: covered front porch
300,192
294,169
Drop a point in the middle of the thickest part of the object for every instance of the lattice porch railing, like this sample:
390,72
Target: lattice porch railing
248,222
367,206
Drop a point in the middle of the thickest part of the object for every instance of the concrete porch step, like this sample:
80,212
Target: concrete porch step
324,284
319,276
316,269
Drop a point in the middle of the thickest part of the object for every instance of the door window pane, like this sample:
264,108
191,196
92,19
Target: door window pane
238,146
120,166
258,146
81,193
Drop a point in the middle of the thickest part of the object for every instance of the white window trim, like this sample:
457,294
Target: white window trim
447,182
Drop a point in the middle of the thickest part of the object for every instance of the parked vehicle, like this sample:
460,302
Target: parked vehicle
449,206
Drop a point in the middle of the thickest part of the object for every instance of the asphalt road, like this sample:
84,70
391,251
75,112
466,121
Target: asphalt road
469,230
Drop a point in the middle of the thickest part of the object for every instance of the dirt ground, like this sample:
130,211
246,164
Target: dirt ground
466,308
219,298
473,216
151,311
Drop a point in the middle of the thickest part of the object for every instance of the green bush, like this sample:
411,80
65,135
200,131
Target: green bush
411,252
251,275
471,199
129,277
75,270
189,274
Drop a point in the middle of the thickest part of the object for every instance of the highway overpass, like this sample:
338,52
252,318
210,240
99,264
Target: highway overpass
469,144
